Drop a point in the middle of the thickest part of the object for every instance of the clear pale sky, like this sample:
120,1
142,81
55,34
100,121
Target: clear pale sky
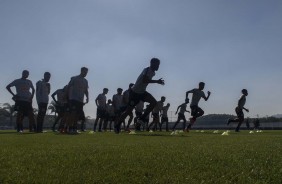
229,45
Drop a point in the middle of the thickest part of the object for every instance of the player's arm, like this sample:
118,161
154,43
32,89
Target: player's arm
87,96
96,101
146,79
32,91
177,109
187,93
246,109
207,97
53,97
8,87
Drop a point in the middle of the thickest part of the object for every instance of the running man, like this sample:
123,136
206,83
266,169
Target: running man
77,88
239,110
181,115
196,111
101,101
138,92
156,114
23,100
42,96
164,116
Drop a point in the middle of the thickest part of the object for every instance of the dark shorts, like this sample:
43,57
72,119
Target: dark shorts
240,113
61,109
135,98
156,117
42,108
195,109
181,117
101,113
23,107
76,106
164,119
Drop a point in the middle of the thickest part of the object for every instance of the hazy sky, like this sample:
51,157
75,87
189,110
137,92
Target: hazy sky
228,44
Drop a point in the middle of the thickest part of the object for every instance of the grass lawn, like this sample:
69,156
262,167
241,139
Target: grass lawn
193,157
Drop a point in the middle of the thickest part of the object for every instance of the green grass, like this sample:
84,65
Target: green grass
143,158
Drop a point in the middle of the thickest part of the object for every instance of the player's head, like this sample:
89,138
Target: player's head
155,63
105,90
47,76
83,71
168,104
162,98
245,92
201,85
25,74
109,101
130,85
187,100
119,91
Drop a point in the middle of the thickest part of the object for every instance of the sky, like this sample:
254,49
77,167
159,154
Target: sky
229,45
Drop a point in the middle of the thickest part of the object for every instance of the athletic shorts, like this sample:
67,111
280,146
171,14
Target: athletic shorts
60,109
135,98
239,113
181,117
42,108
76,106
164,119
194,110
23,107
156,117
101,113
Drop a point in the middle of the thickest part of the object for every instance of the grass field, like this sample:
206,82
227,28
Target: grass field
143,158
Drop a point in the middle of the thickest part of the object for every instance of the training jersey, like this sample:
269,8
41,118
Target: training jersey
139,107
164,111
125,97
61,96
197,95
78,86
242,101
117,101
23,87
102,100
183,108
42,91
158,107
140,86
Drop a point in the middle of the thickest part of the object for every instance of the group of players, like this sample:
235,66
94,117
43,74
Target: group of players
70,101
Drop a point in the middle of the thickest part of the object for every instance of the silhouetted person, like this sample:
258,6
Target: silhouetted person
196,111
156,114
61,106
138,93
101,102
181,115
77,89
164,117
23,100
42,97
239,110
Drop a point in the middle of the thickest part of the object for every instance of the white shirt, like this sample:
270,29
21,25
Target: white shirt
140,86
